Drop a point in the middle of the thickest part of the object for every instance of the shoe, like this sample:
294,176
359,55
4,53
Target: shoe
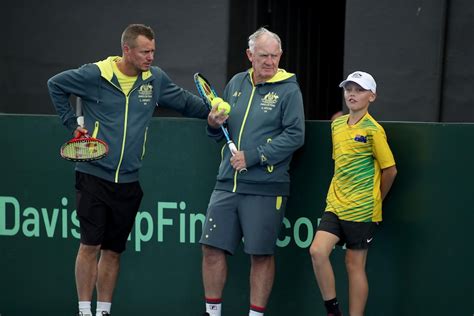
105,313
205,314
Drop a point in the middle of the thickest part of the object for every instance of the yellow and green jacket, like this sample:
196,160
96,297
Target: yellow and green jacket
267,123
119,119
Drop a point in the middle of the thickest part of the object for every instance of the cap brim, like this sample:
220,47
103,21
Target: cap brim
342,84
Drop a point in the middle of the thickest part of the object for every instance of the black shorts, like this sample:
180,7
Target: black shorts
356,235
106,210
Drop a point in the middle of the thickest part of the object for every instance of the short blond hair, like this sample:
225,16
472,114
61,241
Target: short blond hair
132,31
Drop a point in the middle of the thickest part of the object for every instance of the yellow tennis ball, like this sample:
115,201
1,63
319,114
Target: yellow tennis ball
224,106
216,101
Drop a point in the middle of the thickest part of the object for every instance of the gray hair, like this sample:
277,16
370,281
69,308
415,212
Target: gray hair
262,31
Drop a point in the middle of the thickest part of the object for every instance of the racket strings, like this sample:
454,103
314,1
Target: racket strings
84,149
205,89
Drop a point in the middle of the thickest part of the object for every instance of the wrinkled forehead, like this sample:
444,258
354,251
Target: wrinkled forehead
143,43
267,44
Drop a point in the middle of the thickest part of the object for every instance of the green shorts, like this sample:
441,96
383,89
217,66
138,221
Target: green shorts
256,218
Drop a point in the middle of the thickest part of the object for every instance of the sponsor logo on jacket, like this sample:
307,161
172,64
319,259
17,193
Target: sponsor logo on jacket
145,93
269,101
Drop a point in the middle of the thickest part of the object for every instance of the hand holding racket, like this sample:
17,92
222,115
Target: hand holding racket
83,147
208,93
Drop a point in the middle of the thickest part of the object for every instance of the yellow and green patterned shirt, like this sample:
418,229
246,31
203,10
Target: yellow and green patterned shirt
360,151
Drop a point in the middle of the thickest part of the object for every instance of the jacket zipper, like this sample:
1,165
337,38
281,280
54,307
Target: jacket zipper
124,134
241,132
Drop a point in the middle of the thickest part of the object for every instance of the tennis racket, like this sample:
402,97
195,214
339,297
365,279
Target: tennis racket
83,147
208,93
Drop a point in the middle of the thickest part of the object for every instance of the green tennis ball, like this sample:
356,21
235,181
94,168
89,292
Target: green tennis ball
216,101
224,106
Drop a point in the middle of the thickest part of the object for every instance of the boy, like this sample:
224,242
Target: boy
364,170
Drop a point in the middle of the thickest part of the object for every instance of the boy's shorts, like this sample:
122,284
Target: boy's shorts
356,235
231,216
106,210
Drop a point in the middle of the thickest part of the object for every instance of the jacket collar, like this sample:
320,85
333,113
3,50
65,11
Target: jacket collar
280,75
107,70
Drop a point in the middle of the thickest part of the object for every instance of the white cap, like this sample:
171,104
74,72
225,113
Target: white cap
363,79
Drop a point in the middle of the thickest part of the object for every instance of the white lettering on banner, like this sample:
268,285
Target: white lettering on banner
171,222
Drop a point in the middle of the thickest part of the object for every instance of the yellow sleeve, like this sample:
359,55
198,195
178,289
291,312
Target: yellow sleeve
381,150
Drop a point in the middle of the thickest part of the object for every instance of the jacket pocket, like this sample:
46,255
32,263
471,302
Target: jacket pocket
269,167
96,129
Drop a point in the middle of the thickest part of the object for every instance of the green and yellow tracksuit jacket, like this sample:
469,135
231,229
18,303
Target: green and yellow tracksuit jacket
119,119
267,123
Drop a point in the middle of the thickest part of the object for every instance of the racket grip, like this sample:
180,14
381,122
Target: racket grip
232,147
80,121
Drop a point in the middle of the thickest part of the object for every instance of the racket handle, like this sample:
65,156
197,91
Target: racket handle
78,106
80,117
232,147
80,121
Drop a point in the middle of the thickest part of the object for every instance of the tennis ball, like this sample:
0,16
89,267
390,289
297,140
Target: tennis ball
216,101
224,106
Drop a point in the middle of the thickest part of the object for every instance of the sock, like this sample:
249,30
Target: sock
213,306
102,307
85,308
256,310
332,306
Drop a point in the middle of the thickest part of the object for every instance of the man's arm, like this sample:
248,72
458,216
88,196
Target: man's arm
288,141
60,87
174,97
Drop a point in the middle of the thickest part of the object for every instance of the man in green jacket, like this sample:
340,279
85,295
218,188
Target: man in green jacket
266,122
119,95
